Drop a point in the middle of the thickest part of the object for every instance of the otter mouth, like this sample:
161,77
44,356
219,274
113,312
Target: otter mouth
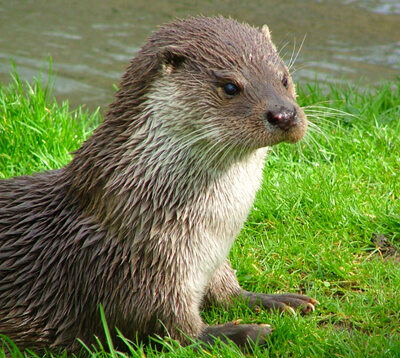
296,132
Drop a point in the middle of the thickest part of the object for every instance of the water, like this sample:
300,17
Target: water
92,41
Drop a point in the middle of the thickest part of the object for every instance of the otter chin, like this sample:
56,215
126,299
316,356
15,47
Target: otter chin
142,219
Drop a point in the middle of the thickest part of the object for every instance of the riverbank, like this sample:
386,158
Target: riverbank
326,222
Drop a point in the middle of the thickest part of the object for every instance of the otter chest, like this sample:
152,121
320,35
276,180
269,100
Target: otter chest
225,207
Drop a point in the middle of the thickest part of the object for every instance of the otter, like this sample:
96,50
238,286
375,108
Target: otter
142,219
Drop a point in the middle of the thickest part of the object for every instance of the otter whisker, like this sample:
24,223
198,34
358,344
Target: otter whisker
317,150
282,48
298,68
329,112
313,128
293,59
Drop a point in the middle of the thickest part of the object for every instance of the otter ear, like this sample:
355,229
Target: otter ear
265,31
172,58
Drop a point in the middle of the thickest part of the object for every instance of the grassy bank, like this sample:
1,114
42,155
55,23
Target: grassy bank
326,222
36,133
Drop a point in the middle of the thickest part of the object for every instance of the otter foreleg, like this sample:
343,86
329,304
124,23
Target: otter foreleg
289,302
224,287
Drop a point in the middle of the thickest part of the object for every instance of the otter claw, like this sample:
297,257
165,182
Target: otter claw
315,302
290,310
310,306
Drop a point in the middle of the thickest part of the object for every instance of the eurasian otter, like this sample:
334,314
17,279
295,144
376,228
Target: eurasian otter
142,219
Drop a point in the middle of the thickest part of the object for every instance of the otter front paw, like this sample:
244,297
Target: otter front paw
243,335
287,302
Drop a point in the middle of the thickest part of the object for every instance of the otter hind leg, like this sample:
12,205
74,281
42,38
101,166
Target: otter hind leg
245,336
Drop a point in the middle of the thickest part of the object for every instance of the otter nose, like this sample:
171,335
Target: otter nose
282,118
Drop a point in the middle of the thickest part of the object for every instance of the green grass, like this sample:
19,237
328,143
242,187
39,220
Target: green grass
36,133
311,229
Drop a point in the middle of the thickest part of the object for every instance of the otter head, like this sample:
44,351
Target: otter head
225,78
213,80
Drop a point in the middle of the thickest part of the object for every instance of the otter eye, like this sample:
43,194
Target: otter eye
230,89
285,81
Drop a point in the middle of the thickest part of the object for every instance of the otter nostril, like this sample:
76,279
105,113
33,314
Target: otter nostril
283,118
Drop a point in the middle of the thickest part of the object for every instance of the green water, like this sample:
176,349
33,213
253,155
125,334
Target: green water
92,41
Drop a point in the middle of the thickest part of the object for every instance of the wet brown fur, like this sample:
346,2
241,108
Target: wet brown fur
142,219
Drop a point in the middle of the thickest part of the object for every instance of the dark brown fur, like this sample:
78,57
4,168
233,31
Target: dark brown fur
143,217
